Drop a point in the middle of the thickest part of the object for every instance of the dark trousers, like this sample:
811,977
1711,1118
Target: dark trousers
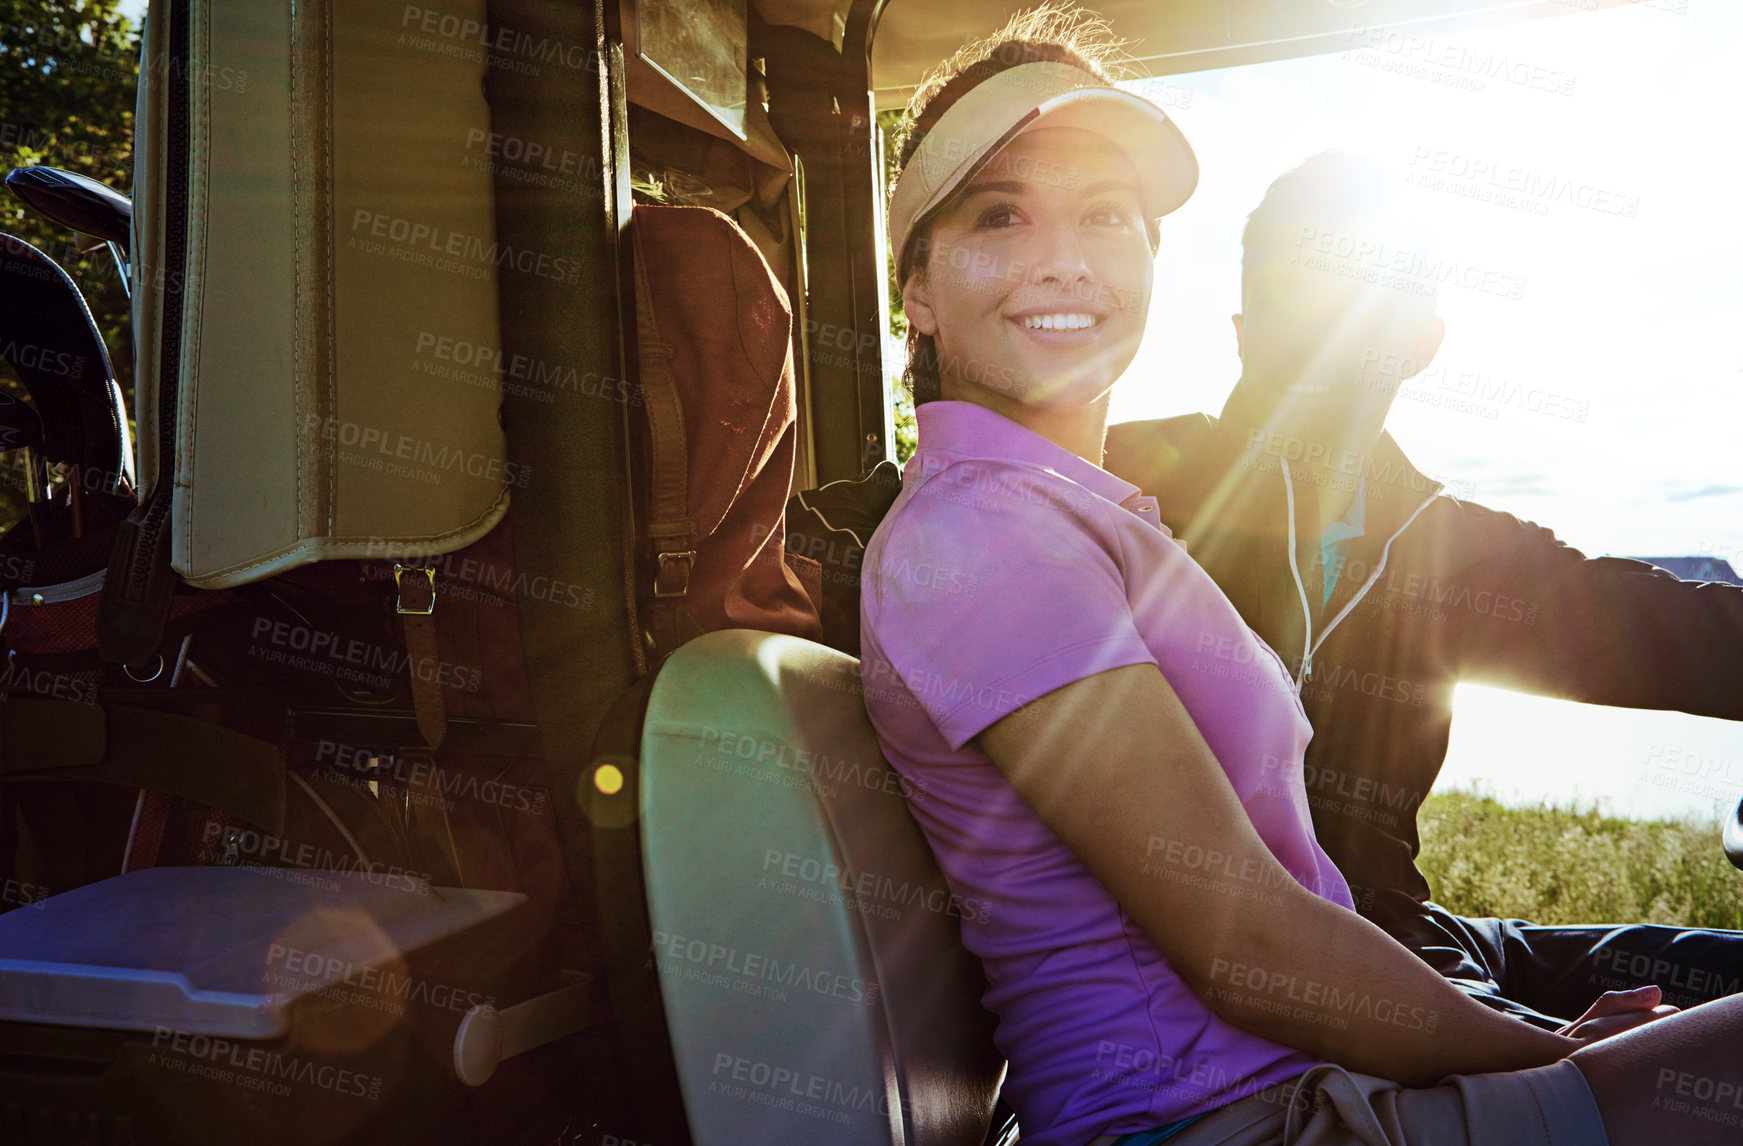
1548,976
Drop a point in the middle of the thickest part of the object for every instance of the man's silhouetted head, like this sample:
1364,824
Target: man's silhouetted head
1337,288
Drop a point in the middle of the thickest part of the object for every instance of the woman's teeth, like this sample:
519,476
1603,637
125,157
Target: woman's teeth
1058,321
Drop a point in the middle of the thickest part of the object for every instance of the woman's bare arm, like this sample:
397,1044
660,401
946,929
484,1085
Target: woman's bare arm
1116,768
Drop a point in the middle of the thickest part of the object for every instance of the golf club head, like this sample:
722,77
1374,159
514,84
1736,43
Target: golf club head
48,337
20,426
74,201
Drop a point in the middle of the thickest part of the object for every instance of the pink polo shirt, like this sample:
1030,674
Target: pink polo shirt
1009,567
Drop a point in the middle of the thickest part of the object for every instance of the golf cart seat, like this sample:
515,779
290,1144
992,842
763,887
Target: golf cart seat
814,980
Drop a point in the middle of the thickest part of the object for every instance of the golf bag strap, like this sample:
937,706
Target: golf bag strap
416,609
139,585
671,529
69,740
47,734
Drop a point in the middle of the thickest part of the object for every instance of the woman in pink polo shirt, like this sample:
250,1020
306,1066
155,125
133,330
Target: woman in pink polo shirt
1112,760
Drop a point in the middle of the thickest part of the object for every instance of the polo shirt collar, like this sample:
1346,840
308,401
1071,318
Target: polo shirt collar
963,429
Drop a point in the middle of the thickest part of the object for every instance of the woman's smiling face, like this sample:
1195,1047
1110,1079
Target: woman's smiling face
1035,279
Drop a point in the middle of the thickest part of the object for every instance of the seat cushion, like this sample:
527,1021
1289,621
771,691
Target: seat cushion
810,955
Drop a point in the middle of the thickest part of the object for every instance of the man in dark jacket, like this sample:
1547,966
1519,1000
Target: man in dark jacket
1381,593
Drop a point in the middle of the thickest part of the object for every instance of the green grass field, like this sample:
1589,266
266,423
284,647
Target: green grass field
1554,864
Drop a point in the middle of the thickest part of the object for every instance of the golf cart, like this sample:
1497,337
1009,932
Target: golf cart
698,910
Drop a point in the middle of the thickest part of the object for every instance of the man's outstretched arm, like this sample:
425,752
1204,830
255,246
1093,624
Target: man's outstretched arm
1604,630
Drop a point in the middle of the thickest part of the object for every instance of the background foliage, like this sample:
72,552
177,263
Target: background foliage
906,438
68,73
1554,864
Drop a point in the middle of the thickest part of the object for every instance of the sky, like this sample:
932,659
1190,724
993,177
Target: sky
1616,378
1631,303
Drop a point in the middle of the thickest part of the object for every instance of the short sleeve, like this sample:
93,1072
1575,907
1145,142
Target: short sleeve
993,585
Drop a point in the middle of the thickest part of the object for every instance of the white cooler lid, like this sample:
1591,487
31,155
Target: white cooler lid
205,950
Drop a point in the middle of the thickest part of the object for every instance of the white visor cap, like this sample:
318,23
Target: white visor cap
1004,105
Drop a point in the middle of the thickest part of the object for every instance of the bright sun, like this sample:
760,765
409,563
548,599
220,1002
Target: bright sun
1581,177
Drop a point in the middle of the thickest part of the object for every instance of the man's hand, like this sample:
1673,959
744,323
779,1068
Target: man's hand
1618,1011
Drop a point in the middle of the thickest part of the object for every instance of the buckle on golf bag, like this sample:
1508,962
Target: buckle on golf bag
422,586
679,584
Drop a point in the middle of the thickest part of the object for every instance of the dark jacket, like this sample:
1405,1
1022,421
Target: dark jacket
1435,592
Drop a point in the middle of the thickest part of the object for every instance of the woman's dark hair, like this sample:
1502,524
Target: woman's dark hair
1052,33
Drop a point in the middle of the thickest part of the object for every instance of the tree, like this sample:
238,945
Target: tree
907,432
69,70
